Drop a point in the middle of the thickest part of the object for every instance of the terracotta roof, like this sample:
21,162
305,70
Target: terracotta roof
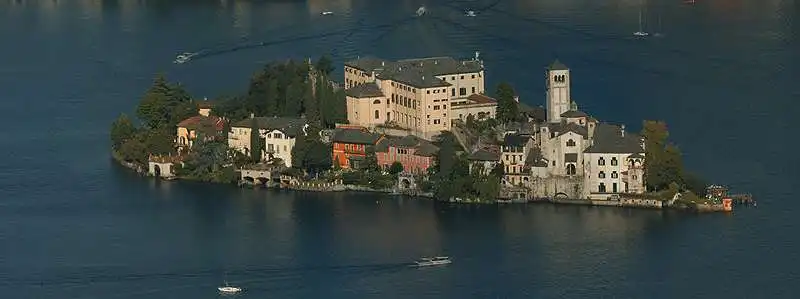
196,121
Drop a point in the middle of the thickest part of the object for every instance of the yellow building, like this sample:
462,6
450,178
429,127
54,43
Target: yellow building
188,128
420,95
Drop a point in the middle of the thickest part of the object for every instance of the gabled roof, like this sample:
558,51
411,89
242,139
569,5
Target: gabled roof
366,90
484,155
564,127
574,113
608,139
420,72
288,125
197,121
421,146
515,140
354,136
557,65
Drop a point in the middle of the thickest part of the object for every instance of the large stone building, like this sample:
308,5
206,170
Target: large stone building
419,95
414,153
571,153
278,135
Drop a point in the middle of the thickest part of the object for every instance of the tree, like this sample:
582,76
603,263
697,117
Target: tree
507,107
294,98
395,168
154,107
160,141
256,142
121,130
444,165
663,163
370,160
324,65
134,150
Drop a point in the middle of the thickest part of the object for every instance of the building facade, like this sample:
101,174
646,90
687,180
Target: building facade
350,144
414,153
201,124
420,95
278,136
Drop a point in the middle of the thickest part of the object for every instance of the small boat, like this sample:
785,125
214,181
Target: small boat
470,13
227,289
421,11
327,13
640,33
433,261
183,57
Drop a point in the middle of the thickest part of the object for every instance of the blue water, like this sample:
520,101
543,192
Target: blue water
74,225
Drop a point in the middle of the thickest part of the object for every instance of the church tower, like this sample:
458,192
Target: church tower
558,100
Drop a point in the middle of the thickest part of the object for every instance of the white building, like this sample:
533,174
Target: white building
573,153
278,136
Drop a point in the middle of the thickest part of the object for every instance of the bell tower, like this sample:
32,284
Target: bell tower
558,99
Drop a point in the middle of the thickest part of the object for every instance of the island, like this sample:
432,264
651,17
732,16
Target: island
423,127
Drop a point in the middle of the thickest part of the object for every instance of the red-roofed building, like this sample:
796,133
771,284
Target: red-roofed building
204,123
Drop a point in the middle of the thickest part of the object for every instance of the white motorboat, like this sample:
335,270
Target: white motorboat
433,261
227,289
183,57
470,13
327,13
421,11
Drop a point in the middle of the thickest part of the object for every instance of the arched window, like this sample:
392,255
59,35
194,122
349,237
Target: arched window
614,161
376,102
614,174
377,114
570,169
570,143
601,161
601,175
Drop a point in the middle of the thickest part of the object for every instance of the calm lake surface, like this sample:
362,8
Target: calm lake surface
73,225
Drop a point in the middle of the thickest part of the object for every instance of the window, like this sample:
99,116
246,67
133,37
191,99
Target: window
601,161
444,106
377,114
601,175
614,174
601,188
473,89
376,102
277,136
436,121
429,92
634,177
570,143
554,163
473,76
570,169
462,91
462,77
614,161
454,92
436,107
452,78
614,187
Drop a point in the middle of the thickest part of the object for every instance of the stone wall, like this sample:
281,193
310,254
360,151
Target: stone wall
550,186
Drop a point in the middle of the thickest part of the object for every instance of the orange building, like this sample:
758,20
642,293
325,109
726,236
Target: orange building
350,146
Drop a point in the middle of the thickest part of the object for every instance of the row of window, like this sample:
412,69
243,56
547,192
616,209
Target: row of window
404,87
404,101
602,161
602,175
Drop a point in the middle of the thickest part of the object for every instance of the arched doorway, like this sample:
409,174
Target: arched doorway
157,170
405,184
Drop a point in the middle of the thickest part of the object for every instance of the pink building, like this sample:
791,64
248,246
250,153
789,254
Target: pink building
416,154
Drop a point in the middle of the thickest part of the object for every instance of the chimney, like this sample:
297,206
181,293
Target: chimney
622,130
252,115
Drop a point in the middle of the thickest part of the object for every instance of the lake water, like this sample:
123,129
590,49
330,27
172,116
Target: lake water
74,225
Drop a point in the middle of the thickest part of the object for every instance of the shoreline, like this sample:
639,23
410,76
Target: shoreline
332,188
